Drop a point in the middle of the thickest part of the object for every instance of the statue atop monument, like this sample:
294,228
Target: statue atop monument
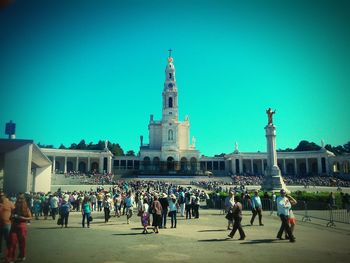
269,113
193,141
106,145
236,147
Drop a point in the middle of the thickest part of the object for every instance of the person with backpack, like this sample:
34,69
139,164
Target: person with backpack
64,211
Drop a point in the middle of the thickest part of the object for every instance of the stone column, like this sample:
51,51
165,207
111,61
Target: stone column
284,167
295,167
100,165
88,168
233,167
109,164
273,179
262,166
252,166
77,164
53,164
319,166
240,165
307,165
65,165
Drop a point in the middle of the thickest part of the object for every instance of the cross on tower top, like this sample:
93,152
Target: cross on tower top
170,50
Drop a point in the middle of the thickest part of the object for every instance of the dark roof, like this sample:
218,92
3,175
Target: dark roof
8,145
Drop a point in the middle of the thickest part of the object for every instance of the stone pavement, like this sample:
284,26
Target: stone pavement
196,240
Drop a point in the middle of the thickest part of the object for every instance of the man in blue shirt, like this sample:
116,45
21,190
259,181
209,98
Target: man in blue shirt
256,208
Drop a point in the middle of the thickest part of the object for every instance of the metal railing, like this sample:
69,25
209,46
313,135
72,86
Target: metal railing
307,210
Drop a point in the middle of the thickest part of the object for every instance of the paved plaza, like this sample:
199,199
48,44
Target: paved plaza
196,240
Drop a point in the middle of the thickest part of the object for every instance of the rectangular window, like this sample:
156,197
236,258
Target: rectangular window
209,166
216,165
123,164
130,164
136,165
222,166
116,163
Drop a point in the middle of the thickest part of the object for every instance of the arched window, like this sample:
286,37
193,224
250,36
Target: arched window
170,135
170,102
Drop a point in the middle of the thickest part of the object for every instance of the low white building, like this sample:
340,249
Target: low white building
24,167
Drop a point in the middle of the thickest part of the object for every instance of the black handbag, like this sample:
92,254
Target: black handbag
90,218
59,221
229,216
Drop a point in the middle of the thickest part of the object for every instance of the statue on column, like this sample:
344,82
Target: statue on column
322,143
141,140
270,113
193,141
236,147
106,145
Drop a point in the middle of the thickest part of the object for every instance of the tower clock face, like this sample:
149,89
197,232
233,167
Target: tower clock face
170,85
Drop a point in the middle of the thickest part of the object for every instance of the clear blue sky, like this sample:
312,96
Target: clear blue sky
72,70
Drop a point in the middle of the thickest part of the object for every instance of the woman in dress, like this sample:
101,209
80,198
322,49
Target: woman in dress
145,216
21,214
157,214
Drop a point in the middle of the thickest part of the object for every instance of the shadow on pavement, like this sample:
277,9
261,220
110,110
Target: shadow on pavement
212,230
215,240
259,241
130,234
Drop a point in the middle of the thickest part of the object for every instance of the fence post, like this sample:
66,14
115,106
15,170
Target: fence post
272,203
331,221
306,215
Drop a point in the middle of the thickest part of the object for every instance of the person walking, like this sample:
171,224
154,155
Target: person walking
157,214
283,207
173,206
64,211
256,208
129,203
291,219
181,202
6,208
165,204
20,216
145,216
107,207
86,211
237,218
188,205
229,203
54,206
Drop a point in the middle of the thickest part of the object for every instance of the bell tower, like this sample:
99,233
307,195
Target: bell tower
170,106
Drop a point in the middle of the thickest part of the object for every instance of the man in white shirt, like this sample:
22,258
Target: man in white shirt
283,207
54,206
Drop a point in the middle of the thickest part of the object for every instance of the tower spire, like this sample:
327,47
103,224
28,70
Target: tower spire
170,50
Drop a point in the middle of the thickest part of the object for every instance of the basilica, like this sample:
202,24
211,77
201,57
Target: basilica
170,151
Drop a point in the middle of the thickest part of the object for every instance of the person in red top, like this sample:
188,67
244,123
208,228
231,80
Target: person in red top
6,207
20,215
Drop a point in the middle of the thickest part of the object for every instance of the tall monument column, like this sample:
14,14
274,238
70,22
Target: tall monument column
272,179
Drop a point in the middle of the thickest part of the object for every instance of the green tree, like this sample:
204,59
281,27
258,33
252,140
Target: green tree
73,146
81,145
62,146
307,146
130,153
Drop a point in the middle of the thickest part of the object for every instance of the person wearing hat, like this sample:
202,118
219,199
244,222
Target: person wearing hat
173,206
283,207
256,208
107,206
165,204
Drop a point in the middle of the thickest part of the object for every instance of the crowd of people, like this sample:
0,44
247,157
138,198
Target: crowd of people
157,203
